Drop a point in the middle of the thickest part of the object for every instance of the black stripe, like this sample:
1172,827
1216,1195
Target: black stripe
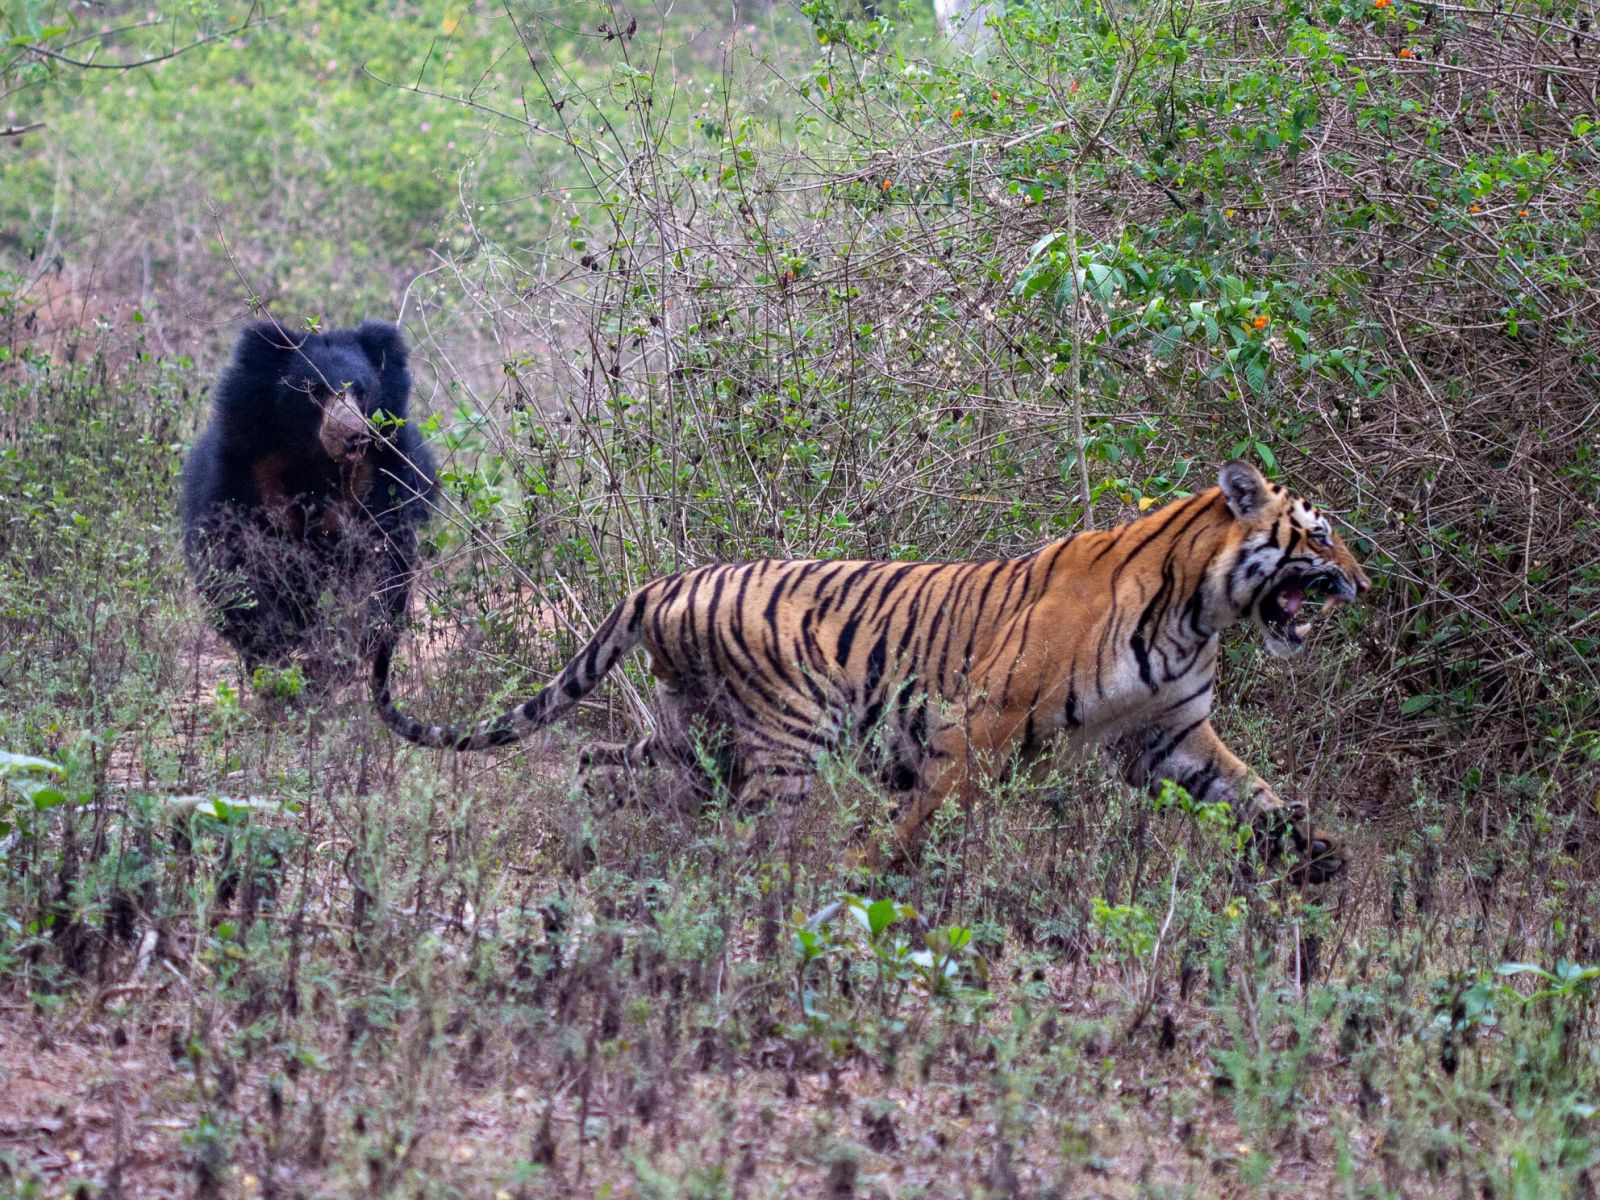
914,623
1189,699
1199,781
769,615
668,590
847,638
886,594
877,658
1161,519
917,729
1194,607
591,657
1022,645
960,587
1154,760
847,585
1141,655
977,621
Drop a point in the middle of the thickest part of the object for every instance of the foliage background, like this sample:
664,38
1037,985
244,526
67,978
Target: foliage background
693,282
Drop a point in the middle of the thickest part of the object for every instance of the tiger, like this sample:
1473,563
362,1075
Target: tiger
947,674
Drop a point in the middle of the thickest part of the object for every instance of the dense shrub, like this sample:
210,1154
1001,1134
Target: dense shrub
895,304
809,282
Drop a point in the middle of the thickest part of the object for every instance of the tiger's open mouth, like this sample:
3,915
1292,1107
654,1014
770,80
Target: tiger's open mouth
1280,608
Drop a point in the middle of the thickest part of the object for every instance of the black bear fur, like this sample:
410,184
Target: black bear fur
304,496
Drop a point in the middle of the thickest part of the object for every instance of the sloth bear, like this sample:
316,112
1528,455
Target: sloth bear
303,498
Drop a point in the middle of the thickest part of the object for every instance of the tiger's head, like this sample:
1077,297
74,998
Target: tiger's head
1286,552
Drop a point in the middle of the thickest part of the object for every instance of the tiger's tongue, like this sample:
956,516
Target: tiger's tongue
1289,600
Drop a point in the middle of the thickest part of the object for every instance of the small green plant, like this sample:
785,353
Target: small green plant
1569,981
878,936
1128,929
1216,818
28,781
284,684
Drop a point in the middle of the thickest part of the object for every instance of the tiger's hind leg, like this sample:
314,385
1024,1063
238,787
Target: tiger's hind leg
765,782
681,743
648,751
768,789
950,764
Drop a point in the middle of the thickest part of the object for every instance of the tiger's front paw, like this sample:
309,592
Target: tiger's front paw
1322,855
1319,855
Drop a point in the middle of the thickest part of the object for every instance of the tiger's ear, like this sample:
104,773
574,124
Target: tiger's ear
1243,487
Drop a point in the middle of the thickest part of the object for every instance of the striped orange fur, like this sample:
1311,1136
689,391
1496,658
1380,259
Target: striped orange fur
947,672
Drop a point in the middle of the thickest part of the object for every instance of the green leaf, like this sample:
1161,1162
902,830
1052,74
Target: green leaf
19,763
1415,704
1048,242
222,808
48,797
880,915
1035,279
1101,281
810,944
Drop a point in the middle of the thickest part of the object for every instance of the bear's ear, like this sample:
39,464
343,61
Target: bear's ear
383,344
261,351
263,344
385,348
1244,488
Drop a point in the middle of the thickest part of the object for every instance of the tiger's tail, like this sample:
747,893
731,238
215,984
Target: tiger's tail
578,678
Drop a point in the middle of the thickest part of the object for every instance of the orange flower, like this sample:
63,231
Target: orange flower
1522,212
1259,322
956,116
887,184
994,95
1405,52
1474,208
1382,3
